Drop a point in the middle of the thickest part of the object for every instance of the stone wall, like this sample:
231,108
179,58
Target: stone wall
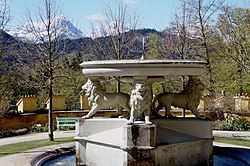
29,120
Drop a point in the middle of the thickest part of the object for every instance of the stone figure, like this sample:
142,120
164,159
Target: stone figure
189,98
99,99
140,101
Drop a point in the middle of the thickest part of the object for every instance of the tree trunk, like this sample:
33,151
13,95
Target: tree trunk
241,90
51,136
119,84
50,118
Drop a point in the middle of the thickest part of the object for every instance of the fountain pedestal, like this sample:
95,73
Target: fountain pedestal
105,142
138,144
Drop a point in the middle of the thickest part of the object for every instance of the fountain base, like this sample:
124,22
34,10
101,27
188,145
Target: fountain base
167,142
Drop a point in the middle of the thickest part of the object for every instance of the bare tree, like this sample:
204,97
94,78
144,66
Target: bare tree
117,31
203,12
49,43
117,26
178,36
5,18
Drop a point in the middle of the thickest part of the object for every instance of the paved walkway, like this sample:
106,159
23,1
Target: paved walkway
220,144
63,134
245,135
37,136
24,158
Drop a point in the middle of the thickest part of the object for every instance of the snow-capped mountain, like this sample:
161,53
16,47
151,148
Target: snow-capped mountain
61,28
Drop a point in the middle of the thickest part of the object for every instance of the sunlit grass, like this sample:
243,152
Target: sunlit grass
233,141
24,146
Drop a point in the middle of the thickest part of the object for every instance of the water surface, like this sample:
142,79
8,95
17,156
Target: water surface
70,160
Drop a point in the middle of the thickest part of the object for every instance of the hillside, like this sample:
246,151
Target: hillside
83,45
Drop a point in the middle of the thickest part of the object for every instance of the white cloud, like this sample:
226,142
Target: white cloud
96,17
129,1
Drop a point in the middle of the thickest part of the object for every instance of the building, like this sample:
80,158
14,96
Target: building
84,103
58,102
26,104
242,102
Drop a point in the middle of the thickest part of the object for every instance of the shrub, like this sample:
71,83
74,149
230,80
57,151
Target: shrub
66,128
221,125
233,124
12,132
38,128
239,124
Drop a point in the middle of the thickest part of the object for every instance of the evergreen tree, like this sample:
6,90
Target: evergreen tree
152,47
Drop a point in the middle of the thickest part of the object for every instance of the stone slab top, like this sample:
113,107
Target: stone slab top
141,62
142,67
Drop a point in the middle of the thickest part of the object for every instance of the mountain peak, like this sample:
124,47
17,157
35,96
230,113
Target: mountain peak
64,30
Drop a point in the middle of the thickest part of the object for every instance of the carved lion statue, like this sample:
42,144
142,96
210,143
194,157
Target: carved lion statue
188,99
99,99
140,102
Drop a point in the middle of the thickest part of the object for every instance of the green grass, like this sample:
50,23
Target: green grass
24,146
233,141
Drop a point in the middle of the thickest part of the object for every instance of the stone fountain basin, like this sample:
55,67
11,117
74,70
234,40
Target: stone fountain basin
135,68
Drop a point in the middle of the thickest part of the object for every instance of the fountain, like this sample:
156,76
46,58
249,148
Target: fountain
168,141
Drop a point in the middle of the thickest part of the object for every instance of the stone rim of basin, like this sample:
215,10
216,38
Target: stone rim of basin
142,67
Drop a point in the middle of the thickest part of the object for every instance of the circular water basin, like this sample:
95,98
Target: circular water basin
227,161
70,160
64,160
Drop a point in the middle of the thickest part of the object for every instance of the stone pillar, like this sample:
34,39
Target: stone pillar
139,143
80,144
105,142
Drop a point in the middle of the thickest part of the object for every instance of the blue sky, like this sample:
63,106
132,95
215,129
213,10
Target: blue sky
155,13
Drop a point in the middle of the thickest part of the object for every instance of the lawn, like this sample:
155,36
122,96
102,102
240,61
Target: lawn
24,146
233,141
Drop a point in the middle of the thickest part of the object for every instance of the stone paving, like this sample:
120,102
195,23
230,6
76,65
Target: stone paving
24,158
37,136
